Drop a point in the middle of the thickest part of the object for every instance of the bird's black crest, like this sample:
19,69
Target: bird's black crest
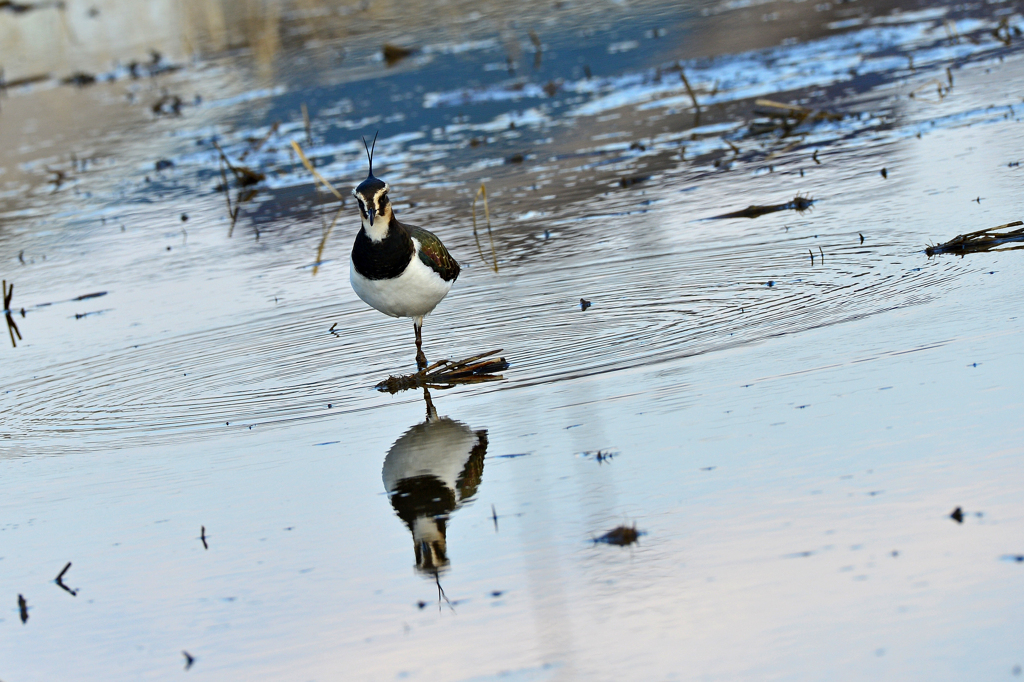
369,151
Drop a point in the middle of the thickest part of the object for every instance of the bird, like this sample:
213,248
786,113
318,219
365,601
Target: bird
401,270
432,470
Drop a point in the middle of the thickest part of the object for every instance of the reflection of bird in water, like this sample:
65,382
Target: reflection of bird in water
401,270
430,472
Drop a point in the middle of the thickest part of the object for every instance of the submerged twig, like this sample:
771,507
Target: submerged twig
799,204
493,265
448,373
982,240
60,581
256,145
693,96
12,327
243,176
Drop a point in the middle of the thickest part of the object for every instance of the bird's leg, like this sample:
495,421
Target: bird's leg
421,359
431,410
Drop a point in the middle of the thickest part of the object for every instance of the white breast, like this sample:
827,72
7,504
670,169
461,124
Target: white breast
438,448
414,293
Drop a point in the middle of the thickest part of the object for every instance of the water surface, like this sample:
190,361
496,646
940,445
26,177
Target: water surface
789,407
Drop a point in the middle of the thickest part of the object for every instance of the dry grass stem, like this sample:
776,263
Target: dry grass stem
309,167
320,178
693,95
487,213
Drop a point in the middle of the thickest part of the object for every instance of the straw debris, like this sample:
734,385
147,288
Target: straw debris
785,117
800,204
448,373
982,240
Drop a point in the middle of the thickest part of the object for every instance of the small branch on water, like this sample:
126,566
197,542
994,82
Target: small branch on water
447,374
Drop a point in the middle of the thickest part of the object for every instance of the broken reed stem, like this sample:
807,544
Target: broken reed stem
227,190
309,167
788,147
938,85
234,219
693,95
487,212
323,241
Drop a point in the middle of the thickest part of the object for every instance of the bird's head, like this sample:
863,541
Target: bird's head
372,193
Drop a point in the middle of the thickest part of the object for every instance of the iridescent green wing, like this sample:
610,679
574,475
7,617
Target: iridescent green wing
433,253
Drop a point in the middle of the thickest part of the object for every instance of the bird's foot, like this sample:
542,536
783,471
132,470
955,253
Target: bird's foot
421,360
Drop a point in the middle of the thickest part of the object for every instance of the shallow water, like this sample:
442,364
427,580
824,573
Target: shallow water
788,407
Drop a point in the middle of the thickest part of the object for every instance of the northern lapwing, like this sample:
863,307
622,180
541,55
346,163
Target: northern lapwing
399,269
431,471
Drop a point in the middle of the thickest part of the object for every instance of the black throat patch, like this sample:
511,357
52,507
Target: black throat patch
386,259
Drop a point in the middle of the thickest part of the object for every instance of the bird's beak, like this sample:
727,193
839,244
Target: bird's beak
369,212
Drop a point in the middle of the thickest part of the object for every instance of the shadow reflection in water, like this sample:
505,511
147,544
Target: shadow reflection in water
429,472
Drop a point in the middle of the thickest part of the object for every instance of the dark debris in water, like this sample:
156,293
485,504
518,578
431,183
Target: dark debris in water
244,176
60,581
600,456
621,536
635,180
800,204
395,53
12,327
957,515
449,373
982,240
168,105
584,304
79,78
